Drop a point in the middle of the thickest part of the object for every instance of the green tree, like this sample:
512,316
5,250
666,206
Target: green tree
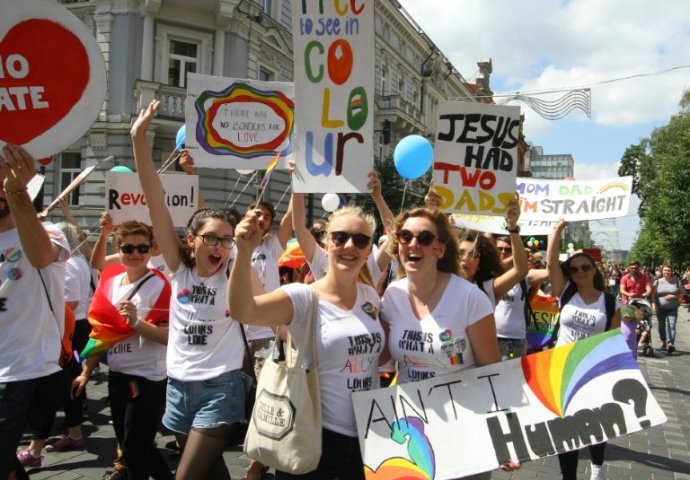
664,174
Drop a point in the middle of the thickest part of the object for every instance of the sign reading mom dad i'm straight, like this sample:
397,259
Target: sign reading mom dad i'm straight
334,95
474,420
476,157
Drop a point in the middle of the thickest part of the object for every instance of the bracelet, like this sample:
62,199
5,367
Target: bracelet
134,325
514,230
17,192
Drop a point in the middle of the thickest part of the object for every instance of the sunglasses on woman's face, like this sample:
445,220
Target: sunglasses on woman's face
505,249
424,238
582,268
129,248
359,240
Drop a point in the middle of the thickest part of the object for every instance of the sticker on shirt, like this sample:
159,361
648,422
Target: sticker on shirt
452,347
12,255
370,310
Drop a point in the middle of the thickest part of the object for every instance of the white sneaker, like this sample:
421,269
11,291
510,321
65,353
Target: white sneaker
597,472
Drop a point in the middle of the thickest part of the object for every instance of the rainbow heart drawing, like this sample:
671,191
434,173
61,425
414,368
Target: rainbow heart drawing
556,376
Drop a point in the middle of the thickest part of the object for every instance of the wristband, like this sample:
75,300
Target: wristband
16,192
134,325
514,230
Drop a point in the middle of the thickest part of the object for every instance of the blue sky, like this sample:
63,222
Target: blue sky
539,45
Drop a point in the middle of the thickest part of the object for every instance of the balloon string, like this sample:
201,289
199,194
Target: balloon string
407,182
243,189
283,196
239,177
169,161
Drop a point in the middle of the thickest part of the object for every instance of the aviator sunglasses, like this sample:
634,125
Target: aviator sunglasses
582,268
359,240
424,238
129,248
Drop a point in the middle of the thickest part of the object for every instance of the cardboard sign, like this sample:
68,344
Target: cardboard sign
334,80
52,77
124,199
476,157
530,407
544,202
234,123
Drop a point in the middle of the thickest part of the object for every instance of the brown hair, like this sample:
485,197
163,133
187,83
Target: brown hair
132,227
196,223
449,262
490,265
598,276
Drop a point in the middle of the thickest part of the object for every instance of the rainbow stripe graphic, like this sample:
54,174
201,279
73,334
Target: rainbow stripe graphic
269,170
556,376
422,462
208,104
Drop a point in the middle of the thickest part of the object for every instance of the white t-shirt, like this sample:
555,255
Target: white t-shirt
580,320
510,314
158,262
348,345
30,334
438,344
137,355
319,265
265,262
78,285
204,341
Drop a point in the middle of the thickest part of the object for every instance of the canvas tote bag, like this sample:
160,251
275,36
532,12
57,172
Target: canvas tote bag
285,429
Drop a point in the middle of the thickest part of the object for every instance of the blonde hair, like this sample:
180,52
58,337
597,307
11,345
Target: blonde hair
364,273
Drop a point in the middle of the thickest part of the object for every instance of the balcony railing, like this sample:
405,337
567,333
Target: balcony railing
172,98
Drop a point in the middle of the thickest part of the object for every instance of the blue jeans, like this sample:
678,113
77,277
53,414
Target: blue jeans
664,315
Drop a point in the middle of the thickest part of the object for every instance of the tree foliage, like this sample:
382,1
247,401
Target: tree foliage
662,167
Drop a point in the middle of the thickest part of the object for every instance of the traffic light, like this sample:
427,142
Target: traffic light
386,131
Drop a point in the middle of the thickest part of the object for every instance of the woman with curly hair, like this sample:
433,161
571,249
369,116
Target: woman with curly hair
435,305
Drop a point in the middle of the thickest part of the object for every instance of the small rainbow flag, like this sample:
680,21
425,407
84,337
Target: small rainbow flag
269,170
107,325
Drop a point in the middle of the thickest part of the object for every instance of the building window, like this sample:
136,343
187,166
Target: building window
266,75
181,51
267,5
70,168
183,58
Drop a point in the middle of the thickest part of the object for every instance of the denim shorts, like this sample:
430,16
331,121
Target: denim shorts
204,403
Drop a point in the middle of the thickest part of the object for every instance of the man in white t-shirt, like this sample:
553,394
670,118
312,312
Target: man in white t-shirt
32,276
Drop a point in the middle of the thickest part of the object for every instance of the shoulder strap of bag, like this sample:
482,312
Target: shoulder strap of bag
248,353
565,297
138,286
309,336
610,302
527,308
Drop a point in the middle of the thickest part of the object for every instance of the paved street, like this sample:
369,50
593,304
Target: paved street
661,452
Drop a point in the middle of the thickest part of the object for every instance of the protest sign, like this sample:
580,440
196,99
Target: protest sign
526,408
476,157
125,199
334,81
544,202
52,77
233,123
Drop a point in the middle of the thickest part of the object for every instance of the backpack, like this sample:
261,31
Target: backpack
570,291
525,289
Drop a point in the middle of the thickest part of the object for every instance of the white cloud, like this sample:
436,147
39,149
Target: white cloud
544,44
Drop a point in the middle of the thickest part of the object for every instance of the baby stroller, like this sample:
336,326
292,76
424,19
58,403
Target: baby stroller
643,329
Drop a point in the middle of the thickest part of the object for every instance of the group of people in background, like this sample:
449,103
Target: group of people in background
186,309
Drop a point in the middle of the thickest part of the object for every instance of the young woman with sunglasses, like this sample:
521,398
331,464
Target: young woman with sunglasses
347,313
450,320
588,302
205,394
130,292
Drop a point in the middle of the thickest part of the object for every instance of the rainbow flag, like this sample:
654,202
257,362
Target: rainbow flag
269,170
107,325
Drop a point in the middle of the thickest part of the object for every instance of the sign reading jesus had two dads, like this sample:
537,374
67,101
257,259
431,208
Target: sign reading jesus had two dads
475,420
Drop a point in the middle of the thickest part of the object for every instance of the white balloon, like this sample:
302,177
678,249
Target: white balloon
330,202
244,171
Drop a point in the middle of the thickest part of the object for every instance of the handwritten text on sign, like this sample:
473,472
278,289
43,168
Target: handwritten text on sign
235,123
475,157
125,199
334,81
542,404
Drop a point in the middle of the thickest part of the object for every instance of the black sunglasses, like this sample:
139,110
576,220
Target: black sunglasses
212,240
504,249
582,268
359,240
424,238
129,248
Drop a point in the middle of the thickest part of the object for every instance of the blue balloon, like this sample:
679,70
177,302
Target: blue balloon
180,137
412,156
